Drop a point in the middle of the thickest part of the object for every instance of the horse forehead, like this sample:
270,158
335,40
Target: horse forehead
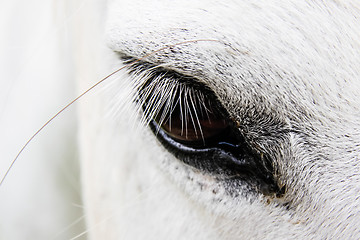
237,21
299,37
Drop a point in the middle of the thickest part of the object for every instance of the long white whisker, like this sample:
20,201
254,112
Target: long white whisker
77,221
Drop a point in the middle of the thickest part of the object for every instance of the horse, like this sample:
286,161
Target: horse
219,120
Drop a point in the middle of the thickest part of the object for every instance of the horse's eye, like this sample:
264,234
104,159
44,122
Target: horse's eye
208,127
189,121
192,119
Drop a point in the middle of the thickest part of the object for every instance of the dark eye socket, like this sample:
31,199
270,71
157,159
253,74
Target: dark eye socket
190,122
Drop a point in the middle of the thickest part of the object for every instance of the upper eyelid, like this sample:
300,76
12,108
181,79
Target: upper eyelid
158,73
144,66
153,70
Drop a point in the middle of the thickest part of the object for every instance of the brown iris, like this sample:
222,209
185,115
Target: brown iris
193,119
209,129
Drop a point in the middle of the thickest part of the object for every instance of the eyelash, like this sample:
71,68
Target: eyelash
157,91
161,97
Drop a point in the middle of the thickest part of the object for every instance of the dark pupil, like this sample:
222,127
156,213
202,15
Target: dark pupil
193,119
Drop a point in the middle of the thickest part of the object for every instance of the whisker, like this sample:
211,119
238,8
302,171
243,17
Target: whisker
74,223
93,87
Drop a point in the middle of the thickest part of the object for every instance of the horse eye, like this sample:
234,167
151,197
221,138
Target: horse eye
192,121
210,127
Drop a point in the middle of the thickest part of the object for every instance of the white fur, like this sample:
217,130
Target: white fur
287,71
277,66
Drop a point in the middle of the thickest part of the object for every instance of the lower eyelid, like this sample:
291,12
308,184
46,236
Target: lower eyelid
218,161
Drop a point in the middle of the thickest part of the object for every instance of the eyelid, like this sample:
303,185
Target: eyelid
143,67
160,74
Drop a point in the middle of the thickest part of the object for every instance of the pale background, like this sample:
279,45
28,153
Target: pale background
40,198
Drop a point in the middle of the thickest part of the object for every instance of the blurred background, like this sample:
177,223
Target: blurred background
41,196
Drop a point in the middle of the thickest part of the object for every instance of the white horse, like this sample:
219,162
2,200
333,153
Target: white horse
241,122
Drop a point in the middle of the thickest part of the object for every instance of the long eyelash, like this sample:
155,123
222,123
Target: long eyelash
197,117
156,95
161,100
170,89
